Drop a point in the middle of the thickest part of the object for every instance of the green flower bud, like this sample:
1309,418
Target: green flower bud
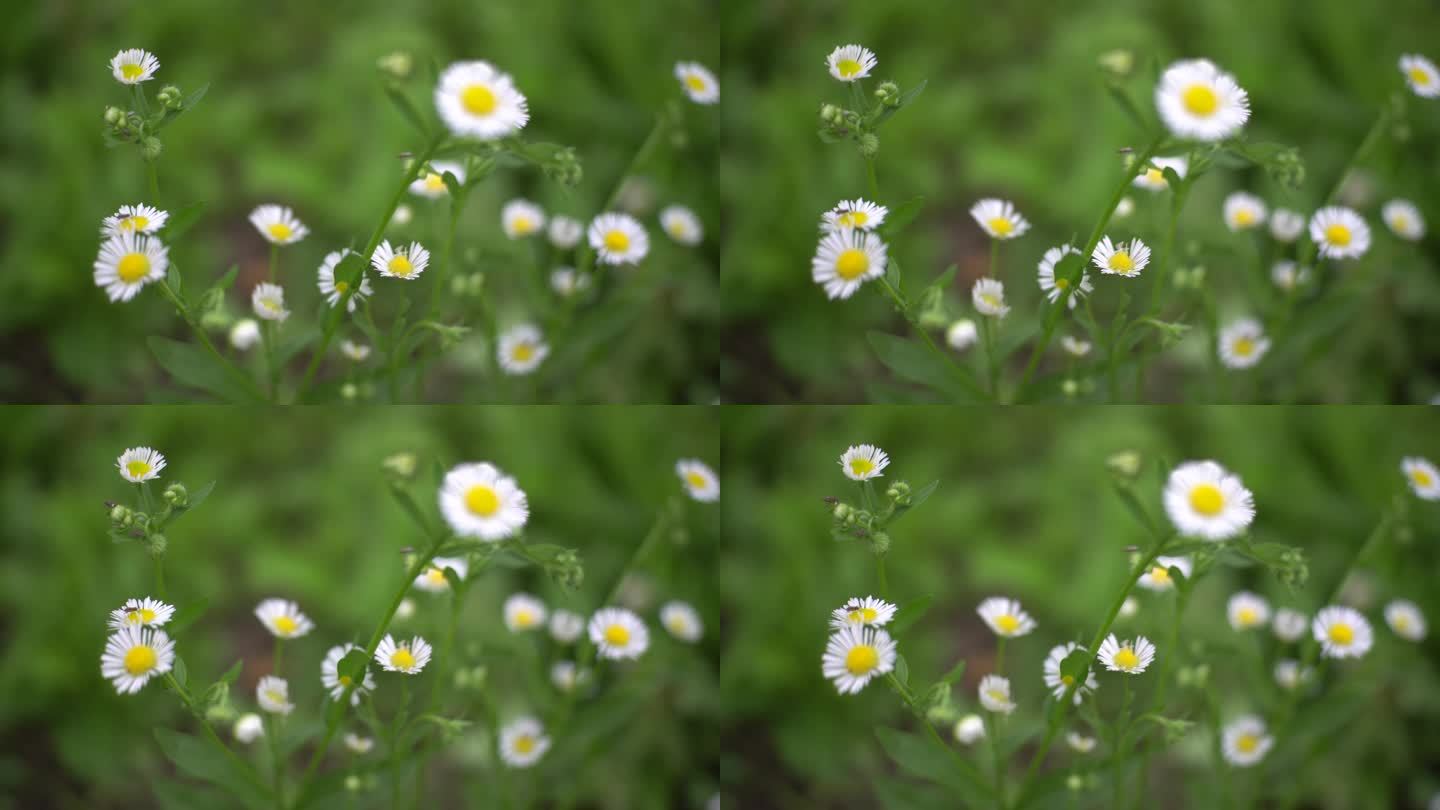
1125,464
114,115
869,145
1117,63
151,147
400,465
176,495
889,94
169,97
1075,783
842,511
349,391
157,545
899,492
829,114
352,783
397,64
1070,387
880,543
120,514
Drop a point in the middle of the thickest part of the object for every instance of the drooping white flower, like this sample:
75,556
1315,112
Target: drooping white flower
994,692
1405,618
268,301
682,621
273,695
988,295
682,225
1286,225
1403,219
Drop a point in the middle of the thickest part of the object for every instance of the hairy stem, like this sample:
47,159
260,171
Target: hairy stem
230,368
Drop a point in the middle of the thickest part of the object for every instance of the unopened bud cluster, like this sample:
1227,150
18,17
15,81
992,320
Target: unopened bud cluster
859,523
566,570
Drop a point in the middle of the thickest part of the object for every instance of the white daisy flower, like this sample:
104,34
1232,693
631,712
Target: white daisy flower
283,618
1289,674
400,261
138,218
1058,683
962,334
1053,287
1287,275
138,464
859,214
565,281
521,349
1074,346
273,695
566,626
565,232
846,259
1242,343
1205,500
249,728
1130,607
700,481
406,609
408,657
1289,624
524,613
969,729
1244,211
134,655
278,224
356,352
357,744
1246,611
332,680
682,621
145,612
1197,100
431,182
854,655
1341,632
1153,177
268,301
860,612
1132,658
521,218
1244,741
1079,743
433,579
1339,232
1158,578
127,262
565,675
988,295
245,334
332,289
698,82
1405,618
1420,74
849,63
1121,259
999,218
135,65
682,225
1286,225
478,500
523,742
1403,219
1124,208
995,694
618,633
1424,479
862,462
475,100
618,239
1005,617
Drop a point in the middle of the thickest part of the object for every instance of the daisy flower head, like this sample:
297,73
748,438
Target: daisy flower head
145,612
962,334
1339,232
1005,617
1286,225
1341,632
1247,611
1128,657
1287,275
336,683
524,613
357,744
1289,674
1058,683
861,462
1205,500
618,633
134,655
433,579
969,729
1124,208
860,214
249,728
406,609
408,657
700,481
1403,219
849,63
1242,343
478,500
1289,624
565,232
1199,101
1121,258
1245,742
618,239
1244,211
268,301
127,262
431,182
400,261
521,218
402,217
1153,177
1158,578
1424,479
134,65
138,464
523,742
566,626
854,655
477,101
1054,287
859,612
1079,743
1074,346
1420,74
999,218
682,621
521,349
682,225
332,289
1129,608
245,334
1405,618
565,281
988,295
273,695
995,694
846,259
278,224
565,675
283,618
698,82
138,218
356,352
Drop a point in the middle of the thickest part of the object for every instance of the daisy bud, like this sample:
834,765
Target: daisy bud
169,97
1075,782
400,465
888,93
1070,388
120,515
114,115
1117,63
176,495
880,543
151,147
157,544
564,168
349,391
829,113
352,783
843,512
869,145
398,64
1124,465
566,570
899,492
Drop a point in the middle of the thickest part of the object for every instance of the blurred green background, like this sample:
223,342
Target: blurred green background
1016,108
295,115
301,511
1024,509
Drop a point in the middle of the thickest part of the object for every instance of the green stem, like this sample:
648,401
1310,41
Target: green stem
1000,656
395,743
961,375
240,764
272,374
994,720
992,378
230,368
880,572
154,175
160,577
446,664
874,182
441,272
1118,752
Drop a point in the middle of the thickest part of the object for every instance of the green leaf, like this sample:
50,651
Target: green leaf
191,366
955,673
181,672
187,614
914,362
453,577
932,761
918,497
906,100
407,503
1076,664
453,184
911,612
1122,97
202,760
900,217
406,107
181,221
172,277
353,665
902,671
295,341
232,673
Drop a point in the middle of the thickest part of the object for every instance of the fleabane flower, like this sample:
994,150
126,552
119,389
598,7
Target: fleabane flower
523,742
682,621
1289,624
1205,500
400,261
849,63
1153,176
1420,74
144,612
127,262
860,612
336,683
566,626
1059,683
1242,343
249,728
408,657
478,500
273,695
1199,101
1005,617
1422,476
333,290
278,224
1286,225
1403,219
1289,674
859,214
357,744
1158,578
268,301
1339,233
999,218
1405,618
969,729
962,334
134,655
682,225
521,218
1074,346
138,464
1054,286
1244,211
854,655
988,296
566,675
477,101
1341,632
618,633
433,579
354,352
524,613
245,334
1124,208
1121,258
283,618
1244,741
133,66
565,232
698,82
994,694
1128,657
138,218
1129,608
700,481
1287,275
1247,611
521,349
1079,743
846,259
565,281
618,239
861,462
431,183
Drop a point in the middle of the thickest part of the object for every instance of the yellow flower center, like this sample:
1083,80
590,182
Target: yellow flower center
1206,499
1062,283
402,658
1338,235
991,299
696,480
134,71
345,680
1246,616
1244,347
860,466
1422,478
998,696
1402,623
1341,633
434,182
137,468
1067,680
861,659
1417,75
482,500
140,660
135,223
523,225
617,241
1400,222
677,229
477,99
847,67
616,635
341,287
695,83
523,352
853,219
436,577
677,624
284,625
133,267
1247,743
852,264
1156,176
1120,262
280,231
1200,100
270,304
524,618
141,616
524,744
1160,575
1007,623
1244,217
401,266
1126,658
866,615
1000,226
275,695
